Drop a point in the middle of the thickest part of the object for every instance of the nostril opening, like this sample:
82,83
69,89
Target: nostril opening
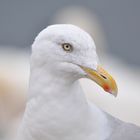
103,76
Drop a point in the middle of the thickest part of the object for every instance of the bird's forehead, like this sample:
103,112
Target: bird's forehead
67,34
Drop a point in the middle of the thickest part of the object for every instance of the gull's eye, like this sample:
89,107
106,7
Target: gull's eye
67,47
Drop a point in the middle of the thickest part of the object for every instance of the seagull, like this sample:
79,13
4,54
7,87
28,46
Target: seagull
57,108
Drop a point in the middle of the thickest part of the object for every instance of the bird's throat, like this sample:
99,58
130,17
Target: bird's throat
57,108
55,105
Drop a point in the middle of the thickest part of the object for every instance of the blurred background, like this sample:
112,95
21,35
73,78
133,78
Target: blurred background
114,25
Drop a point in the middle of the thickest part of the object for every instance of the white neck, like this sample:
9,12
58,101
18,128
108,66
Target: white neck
57,109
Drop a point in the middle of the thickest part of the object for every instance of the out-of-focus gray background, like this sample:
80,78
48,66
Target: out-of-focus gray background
114,25
20,21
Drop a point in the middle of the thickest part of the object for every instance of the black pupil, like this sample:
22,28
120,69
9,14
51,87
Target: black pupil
67,46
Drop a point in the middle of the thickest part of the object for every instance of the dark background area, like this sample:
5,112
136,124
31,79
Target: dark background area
20,21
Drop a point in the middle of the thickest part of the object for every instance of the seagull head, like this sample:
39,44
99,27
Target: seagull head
67,50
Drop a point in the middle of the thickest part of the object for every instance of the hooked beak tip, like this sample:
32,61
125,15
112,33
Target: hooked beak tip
102,78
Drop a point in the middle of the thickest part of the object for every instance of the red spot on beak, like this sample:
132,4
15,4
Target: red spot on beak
106,88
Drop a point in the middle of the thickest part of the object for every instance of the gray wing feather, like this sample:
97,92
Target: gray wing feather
122,130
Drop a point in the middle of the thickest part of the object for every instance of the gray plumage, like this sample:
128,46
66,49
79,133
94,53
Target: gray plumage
122,130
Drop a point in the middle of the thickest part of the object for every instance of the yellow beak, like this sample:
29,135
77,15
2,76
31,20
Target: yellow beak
102,78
